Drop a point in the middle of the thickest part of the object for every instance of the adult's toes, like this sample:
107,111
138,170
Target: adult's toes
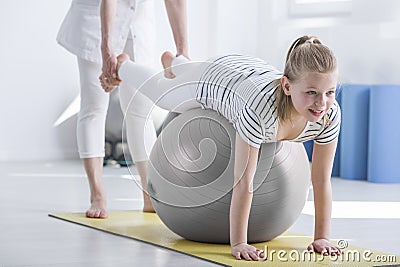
89,214
103,214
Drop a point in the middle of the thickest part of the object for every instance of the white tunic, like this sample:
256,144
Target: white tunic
80,32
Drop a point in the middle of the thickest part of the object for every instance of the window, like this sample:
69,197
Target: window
319,8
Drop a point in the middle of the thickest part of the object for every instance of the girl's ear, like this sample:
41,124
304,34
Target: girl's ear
285,85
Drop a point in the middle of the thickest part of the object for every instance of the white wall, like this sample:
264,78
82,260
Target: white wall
365,41
39,79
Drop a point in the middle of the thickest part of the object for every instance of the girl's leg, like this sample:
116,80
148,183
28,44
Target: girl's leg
90,134
177,94
171,93
168,60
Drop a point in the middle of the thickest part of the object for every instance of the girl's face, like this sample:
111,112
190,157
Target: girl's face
313,94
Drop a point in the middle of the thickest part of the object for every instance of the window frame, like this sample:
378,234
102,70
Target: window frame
319,8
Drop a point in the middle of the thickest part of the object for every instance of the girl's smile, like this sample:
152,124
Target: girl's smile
312,95
317,113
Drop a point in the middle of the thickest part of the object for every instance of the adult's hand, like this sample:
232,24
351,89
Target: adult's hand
109,69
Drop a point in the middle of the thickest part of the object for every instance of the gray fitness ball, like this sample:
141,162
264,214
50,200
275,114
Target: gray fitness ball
190,180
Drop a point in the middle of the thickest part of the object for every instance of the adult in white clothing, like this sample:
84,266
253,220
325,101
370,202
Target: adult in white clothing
95,31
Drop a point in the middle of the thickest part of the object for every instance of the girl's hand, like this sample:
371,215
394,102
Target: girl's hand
324,247
247,252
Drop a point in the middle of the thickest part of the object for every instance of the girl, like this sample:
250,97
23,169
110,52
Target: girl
264,106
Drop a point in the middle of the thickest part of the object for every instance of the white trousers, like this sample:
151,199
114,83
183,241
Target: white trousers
178,94
92,115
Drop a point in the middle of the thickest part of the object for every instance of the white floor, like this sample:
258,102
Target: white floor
364,214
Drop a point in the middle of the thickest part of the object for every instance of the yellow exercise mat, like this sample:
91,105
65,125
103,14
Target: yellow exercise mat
286,250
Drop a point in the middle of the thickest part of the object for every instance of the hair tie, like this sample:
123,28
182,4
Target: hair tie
311,41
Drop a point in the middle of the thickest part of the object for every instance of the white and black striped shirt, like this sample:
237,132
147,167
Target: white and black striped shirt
243,90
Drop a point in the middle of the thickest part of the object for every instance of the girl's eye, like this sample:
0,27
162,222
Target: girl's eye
331,92
311,92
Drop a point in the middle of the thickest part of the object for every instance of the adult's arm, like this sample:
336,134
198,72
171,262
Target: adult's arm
107,15
176,10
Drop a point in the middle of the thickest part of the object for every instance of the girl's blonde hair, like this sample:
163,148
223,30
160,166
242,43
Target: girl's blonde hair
306,54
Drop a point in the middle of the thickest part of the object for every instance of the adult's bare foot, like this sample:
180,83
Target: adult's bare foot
97,209
166,61
147,206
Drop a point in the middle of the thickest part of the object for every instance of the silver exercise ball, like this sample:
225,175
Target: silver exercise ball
190,180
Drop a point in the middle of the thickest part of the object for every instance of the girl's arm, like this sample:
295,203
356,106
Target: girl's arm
176,10
246,158
322,162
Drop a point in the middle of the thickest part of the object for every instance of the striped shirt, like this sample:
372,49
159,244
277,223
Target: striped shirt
243,90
